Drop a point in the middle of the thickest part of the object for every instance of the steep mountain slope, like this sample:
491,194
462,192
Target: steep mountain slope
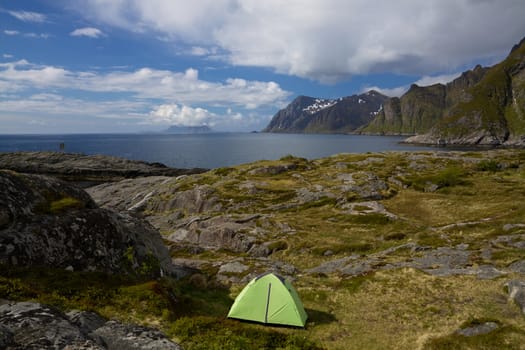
491,112
420,108
316,115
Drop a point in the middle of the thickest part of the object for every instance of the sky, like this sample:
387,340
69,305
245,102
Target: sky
115,66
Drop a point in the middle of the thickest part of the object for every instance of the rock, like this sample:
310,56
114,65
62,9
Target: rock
86,321
483,328
56,224
304,195
85,169
6,337
118,336
365,185
273,169
332,266
508,227
442,259
516,290
238,234
27,325
518,266
36,326
369,207
233,267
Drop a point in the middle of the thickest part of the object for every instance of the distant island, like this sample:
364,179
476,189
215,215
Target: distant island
184,129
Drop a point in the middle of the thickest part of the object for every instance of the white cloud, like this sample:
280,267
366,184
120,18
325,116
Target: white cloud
6,55
391,92
87,31
28,16
437,79
329,40
423,81
173,114
28,35
186,87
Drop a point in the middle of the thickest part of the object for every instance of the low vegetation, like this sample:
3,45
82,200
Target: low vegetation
386,210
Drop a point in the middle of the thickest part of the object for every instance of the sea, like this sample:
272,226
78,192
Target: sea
213,150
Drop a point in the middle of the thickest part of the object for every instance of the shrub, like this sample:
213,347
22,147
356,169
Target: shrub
488,165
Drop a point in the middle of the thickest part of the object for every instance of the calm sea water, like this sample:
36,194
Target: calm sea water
206,150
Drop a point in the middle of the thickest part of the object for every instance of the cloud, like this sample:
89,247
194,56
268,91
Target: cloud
173,114
437,79
11,32
144,96
87,31
28,35
186,87
329,40
7,55
28,16
423,81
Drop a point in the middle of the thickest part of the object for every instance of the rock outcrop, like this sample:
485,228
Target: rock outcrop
47,222
28,325
85,169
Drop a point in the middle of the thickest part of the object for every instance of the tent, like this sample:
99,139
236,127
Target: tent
269,299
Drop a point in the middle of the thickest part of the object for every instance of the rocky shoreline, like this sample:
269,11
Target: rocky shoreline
86,170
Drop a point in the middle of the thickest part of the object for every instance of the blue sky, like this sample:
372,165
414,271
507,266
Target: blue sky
131,65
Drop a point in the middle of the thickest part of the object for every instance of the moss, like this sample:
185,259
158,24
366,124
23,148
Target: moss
212,333
505,337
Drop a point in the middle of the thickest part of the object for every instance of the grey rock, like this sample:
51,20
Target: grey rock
332,266
27,325
480,329
518,266
368,207
508,227
73,234
487,272
273,169
118,336
516,290
36,326
86,321
6,337
365,185
233,267
444,258
85,169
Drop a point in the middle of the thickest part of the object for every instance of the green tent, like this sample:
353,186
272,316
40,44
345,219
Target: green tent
269,299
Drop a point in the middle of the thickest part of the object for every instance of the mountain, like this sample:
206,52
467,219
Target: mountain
420,108
316,115
183,129
484,106
491,112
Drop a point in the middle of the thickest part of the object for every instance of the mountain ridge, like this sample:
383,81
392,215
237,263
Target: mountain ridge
307,114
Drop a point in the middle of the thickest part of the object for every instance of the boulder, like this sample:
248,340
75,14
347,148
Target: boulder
53,223
28,325
36,326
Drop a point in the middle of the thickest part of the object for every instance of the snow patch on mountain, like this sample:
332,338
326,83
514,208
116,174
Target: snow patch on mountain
319,104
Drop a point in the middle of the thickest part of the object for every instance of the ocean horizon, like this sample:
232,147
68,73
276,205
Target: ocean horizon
211,150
